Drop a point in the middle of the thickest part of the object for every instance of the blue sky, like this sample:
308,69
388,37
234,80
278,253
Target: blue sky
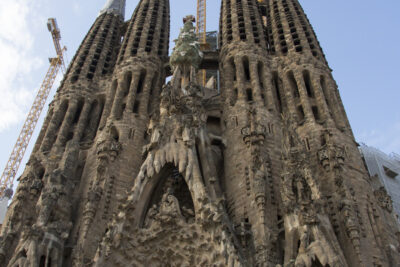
359,37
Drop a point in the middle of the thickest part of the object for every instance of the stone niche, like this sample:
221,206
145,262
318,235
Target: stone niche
170,199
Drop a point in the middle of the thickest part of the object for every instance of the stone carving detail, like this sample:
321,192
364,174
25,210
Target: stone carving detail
323,156
214,186
331,155
44,239
304,208
107,150
191,246
258,173
181,115
168,211
384,200
147,237
349,213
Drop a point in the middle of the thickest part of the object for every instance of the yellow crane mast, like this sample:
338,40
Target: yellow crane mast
17,154
201,29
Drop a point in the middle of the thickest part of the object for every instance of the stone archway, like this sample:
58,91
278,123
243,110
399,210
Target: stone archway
167,232
170,196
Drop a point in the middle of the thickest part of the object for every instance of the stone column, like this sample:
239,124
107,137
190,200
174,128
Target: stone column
67,123
304,98
83,120
51,133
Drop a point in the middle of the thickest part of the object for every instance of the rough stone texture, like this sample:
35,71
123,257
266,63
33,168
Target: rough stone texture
129,171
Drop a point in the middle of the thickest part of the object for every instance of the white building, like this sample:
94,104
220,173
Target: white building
385,171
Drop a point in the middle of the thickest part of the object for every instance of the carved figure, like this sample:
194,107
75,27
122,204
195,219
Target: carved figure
384,200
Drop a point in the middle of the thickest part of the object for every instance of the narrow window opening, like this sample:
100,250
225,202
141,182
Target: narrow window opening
260,69
95,114
249,94
141,82
42,261
232,62
246,68
136,107
300,113
308,84
78,112
316,113
275,82
324,89
293,84
127,83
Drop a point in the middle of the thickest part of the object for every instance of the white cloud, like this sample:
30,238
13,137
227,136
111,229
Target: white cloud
17,21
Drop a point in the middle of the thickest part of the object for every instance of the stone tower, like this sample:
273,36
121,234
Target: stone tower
130,171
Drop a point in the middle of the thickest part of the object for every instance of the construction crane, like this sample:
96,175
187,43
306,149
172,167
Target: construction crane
201,30
17,154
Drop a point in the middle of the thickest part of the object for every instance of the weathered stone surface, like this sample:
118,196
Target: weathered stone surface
130,171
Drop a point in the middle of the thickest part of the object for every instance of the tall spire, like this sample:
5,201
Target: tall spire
114,6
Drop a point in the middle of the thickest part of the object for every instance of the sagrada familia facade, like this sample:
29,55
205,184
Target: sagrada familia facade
131,171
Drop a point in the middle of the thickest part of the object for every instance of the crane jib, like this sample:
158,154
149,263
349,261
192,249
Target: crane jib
17,154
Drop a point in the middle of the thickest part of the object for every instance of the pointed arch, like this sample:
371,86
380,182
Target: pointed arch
157,166
168,182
